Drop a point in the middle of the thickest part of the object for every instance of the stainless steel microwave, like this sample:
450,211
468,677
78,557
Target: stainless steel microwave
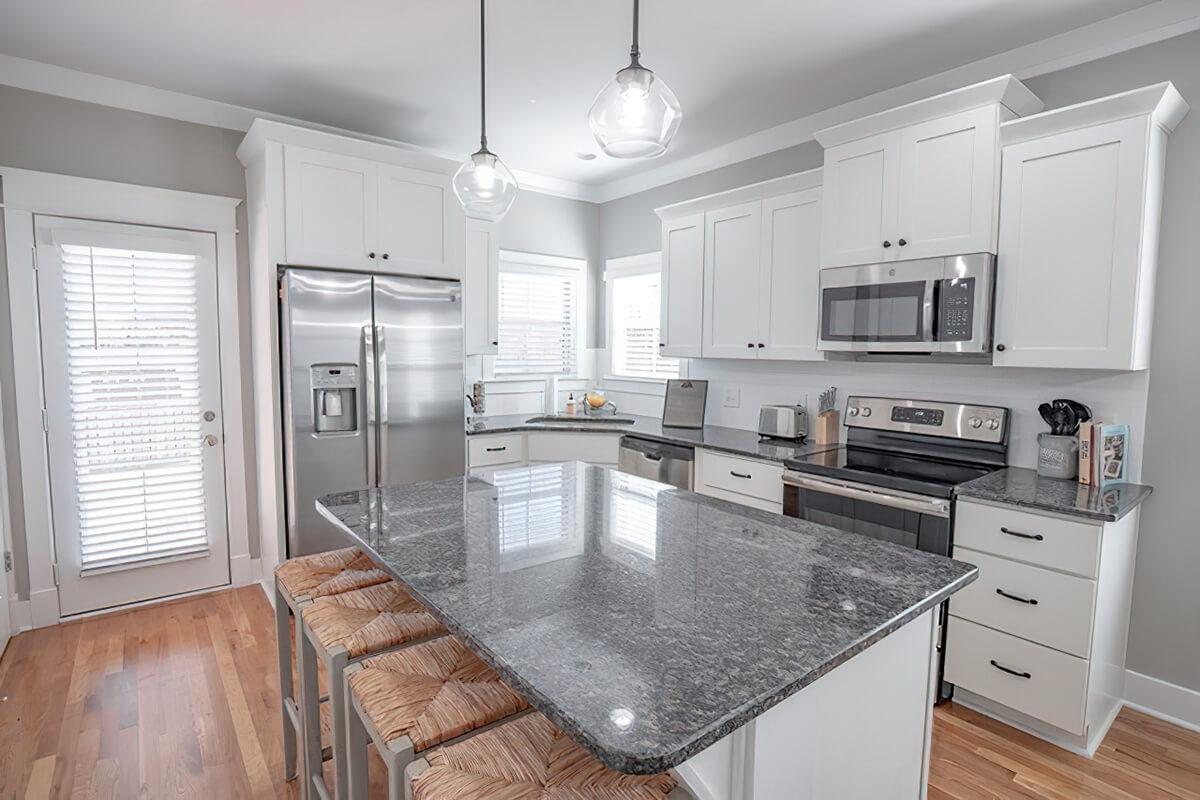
931,305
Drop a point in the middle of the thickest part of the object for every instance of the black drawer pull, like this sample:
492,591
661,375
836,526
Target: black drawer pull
497,449
1027,600
1035,536
739,475
1003,668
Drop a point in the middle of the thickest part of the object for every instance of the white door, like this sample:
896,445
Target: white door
948,174
6,588
1070,239
415,217
789,278
330,210
861,183
681,321
133,410
481,288
731,264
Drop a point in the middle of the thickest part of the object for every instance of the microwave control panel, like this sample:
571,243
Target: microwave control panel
956,309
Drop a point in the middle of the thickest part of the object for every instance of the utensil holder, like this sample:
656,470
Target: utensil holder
825,431
1058,456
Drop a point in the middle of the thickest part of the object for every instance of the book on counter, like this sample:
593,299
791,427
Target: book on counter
1103,453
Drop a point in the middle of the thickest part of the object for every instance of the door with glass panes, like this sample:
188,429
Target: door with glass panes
131,370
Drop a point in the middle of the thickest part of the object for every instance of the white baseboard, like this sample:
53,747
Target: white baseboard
43,608
268,590
243,570
18,615
1166,701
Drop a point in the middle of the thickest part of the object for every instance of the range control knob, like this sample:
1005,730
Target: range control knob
993,424
852,411
866,412
975,422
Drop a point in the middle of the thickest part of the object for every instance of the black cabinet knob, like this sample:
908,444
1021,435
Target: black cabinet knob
385,255
749,344
495,344
902,242
760,344
662,344
999,348
370,255
887,244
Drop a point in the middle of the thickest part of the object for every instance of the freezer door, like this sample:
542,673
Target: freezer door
419,345
328,403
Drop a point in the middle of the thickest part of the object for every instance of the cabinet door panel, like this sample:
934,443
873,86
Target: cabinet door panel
948,173
415,222
1069,248
731,274
681,323
329,209
790,276
481,290
861,185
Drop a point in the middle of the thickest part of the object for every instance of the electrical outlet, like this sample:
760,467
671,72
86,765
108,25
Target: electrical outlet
733,397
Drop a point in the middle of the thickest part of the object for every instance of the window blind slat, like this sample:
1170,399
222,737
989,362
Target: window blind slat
537,323
635,331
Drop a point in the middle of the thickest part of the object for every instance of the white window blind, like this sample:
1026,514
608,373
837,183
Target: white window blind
538,320
532,509
634,327
634,520
133,376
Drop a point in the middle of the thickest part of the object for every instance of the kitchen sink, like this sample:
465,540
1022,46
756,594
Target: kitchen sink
581,420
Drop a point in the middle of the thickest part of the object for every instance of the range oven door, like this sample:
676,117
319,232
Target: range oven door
907,519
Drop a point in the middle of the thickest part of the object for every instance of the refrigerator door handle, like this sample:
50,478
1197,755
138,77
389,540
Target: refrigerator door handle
370,399
381,353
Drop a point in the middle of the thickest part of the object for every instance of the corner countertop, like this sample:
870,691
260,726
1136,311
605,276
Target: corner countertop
1021,486
647,622
735,441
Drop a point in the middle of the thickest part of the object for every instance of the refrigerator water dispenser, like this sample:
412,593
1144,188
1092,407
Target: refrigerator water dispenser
335,398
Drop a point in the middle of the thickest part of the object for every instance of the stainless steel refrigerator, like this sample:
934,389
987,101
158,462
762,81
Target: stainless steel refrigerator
372,389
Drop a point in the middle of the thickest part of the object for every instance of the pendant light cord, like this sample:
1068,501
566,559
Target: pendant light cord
634,51
483,79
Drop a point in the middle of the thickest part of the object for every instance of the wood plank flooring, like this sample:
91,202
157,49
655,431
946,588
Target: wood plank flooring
181,700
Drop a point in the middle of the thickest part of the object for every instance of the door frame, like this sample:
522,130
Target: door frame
27,193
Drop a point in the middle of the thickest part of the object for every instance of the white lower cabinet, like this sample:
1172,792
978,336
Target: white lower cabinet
754,483
593,448
1038,639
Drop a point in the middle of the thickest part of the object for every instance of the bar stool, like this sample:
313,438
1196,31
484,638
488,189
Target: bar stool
528,757
299,581
410,700
341,629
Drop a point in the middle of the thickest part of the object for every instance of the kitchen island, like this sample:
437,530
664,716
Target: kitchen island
756,655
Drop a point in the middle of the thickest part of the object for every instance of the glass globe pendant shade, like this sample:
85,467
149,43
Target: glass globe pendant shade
635,115
484,186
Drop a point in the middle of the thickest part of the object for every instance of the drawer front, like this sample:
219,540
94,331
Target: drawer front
1049,685
759,479
1035,539
1046,607
594,448
485,451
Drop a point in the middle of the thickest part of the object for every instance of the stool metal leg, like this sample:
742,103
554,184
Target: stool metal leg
357,739
398,755
336,659
310,710
287,691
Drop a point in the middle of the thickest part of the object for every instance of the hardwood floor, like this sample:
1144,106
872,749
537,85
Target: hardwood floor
181,700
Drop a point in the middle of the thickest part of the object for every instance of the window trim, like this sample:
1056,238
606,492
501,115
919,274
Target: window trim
545,264
628,267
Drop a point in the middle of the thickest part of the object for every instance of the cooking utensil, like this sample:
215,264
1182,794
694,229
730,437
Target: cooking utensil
1047,412
1081,411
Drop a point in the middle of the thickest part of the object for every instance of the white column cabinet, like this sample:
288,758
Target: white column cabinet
329,210
861,192
1080,205
481,288
732,238
789,276
681,323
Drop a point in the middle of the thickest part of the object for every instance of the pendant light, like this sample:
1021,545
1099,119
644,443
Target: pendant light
636,114
483,184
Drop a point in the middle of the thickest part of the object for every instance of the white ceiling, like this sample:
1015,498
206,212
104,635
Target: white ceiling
408,69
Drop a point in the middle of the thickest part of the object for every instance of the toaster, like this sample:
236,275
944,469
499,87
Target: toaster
783,422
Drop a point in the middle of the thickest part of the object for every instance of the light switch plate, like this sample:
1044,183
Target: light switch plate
733,397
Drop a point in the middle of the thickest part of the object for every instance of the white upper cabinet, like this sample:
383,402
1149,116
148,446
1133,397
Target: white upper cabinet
329,209
789,276
732,239
918,181
1080,205
481,288
681,322
346,212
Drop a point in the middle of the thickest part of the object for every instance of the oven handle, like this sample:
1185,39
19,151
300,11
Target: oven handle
905,501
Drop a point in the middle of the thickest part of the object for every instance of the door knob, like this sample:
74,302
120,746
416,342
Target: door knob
209,416
210,440
1000,348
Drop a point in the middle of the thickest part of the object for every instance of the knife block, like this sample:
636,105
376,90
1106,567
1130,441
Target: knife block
827,428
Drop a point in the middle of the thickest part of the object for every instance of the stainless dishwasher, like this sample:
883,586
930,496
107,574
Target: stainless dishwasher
658,461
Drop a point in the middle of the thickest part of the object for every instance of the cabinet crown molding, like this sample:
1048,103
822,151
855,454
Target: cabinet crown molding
1005,90
1161,102
265,130
796,182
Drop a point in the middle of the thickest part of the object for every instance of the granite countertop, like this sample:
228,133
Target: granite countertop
711,437
647,622
1021,486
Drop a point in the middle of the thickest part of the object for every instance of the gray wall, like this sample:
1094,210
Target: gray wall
54,134
1164,639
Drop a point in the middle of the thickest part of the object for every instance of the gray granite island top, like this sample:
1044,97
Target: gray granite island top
646,621
711,437
1021,486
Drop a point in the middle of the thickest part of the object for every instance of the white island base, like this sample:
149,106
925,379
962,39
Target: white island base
861,731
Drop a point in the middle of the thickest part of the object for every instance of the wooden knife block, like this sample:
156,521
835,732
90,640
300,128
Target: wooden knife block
827,428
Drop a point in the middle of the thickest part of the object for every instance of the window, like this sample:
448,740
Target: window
540,315
634,292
